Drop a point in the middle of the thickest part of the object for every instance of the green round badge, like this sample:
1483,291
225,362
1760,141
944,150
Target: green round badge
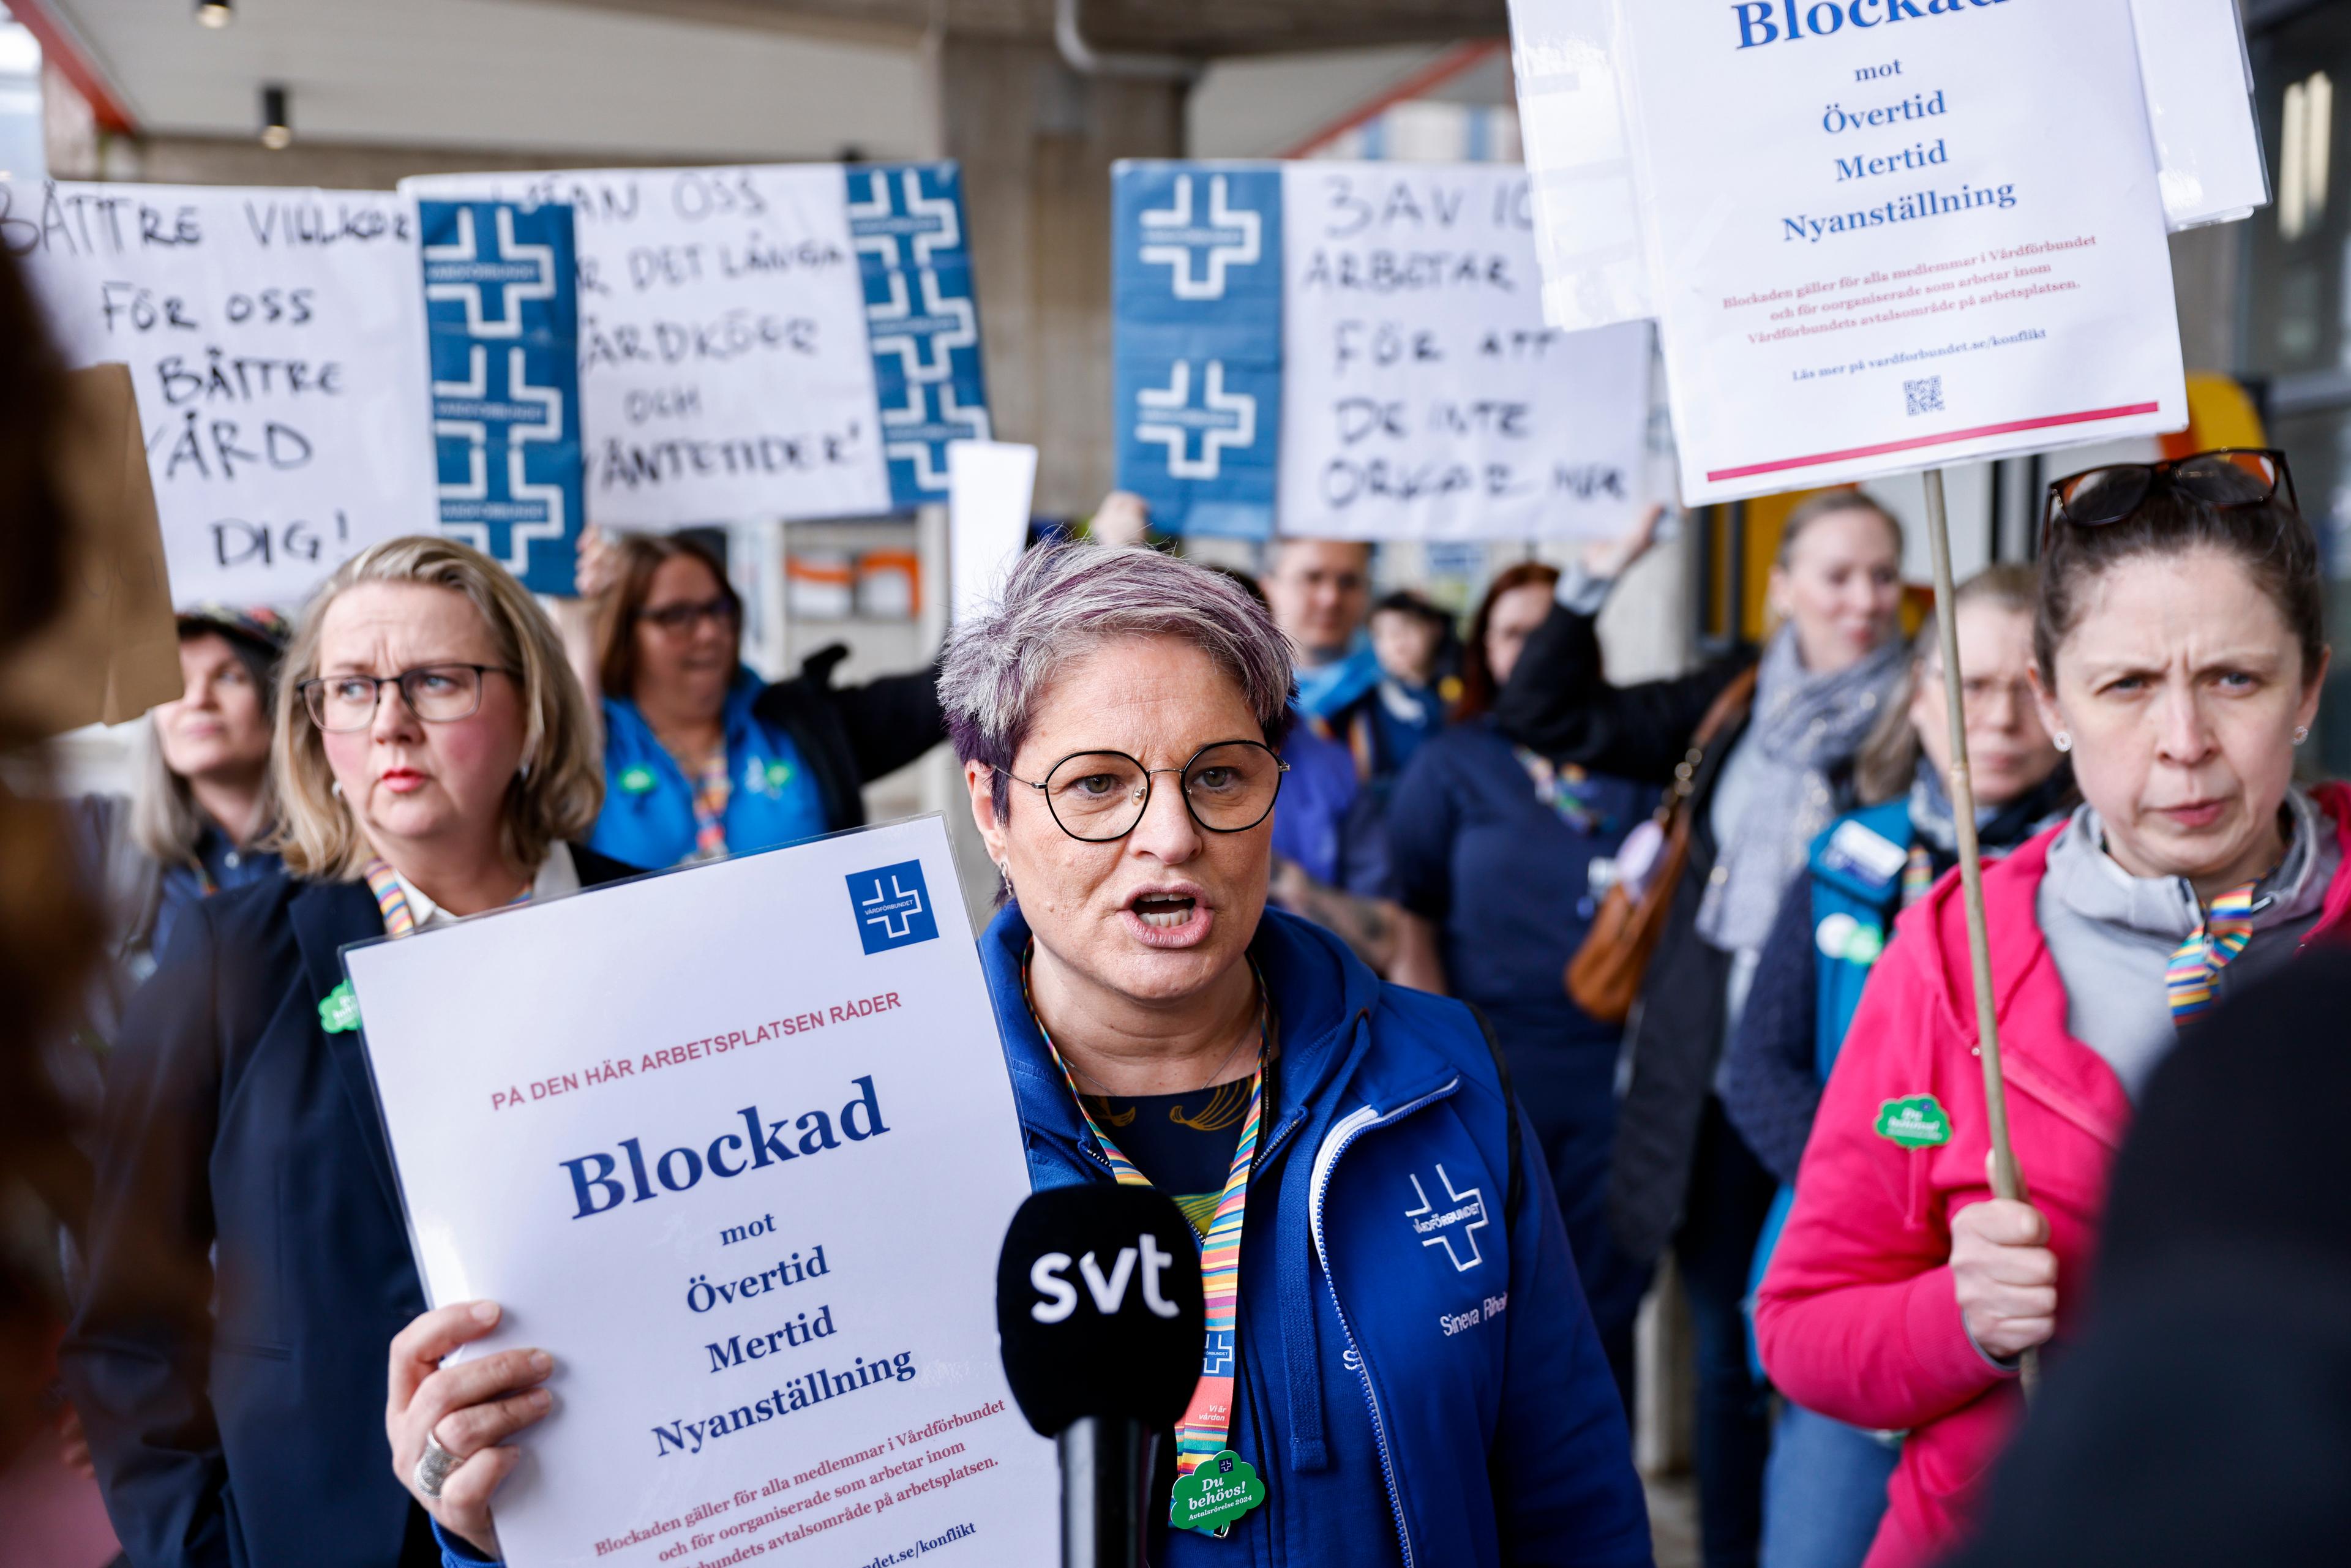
1914,1122
778,774
1217,1493
339,1010
638,779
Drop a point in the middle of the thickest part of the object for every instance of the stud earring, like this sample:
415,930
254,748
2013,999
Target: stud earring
336,789
2300,733
2062,741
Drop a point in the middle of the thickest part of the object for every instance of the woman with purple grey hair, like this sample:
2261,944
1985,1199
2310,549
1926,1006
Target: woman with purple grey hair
1403,1351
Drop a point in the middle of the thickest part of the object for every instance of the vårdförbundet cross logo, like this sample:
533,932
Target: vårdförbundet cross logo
892,906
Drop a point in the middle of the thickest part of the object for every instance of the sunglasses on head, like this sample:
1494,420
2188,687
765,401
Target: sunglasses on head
2228,477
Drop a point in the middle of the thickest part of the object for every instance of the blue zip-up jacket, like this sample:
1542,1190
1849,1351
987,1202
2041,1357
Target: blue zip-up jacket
1419,1382
648,815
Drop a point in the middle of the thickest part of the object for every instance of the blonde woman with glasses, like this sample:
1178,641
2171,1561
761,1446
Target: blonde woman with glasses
248,1259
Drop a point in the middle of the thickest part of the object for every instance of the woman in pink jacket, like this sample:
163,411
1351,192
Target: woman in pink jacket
2180,649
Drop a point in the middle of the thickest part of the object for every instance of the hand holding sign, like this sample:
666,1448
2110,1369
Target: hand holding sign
2005,1276
468,1408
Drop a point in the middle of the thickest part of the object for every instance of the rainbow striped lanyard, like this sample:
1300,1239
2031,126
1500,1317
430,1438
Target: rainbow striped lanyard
1208,1421
713,787
392,898
2219,936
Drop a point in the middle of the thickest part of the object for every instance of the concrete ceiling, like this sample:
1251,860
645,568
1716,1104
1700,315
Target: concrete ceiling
696,80
1204,29
505,74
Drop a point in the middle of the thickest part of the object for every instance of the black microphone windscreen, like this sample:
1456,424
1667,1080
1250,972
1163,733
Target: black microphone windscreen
1098,1306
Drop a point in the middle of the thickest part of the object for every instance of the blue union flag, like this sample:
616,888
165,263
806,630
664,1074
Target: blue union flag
503,318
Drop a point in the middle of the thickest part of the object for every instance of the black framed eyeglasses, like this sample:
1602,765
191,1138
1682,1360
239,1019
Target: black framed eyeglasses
1096,797
678,619
2227,478
437,693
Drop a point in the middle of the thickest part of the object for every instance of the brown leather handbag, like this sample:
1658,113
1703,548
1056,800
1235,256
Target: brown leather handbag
1605,975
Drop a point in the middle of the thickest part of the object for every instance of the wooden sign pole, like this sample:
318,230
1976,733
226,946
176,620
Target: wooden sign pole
2007,1181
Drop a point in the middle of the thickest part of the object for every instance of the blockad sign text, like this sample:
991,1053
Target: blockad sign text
795,340
1357,350
1930,237
504,321
275,341
750,1203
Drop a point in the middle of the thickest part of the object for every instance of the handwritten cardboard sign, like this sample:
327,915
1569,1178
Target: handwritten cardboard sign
1357,350
276,339
792,341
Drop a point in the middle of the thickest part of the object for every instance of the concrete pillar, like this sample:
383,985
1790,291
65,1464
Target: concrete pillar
1036,140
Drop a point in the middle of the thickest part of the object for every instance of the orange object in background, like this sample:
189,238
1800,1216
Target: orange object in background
819,585
2221,412
889,585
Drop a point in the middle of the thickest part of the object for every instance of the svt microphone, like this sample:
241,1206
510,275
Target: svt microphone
1098,1305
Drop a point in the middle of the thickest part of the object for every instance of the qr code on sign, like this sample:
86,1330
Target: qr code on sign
1925,396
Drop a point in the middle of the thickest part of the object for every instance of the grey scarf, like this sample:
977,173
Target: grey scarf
1804,727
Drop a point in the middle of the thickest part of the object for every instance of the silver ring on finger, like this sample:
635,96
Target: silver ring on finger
432,1467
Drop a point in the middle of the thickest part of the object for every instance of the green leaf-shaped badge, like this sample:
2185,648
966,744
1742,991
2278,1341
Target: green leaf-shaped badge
636,781
1915,1122
339,1010
778,774
1212,1497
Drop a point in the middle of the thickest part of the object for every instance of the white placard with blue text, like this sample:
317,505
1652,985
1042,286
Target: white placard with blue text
780,341
1918,246
737,1144
275,340
1569,61
1357,350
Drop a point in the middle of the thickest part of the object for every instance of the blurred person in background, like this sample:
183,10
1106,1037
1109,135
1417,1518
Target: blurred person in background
1824,1489
1500,859
1115,713
51,933
1414,645
1680,1172
2179,654
248,1256
702,757
1320,591
1330,840
204,811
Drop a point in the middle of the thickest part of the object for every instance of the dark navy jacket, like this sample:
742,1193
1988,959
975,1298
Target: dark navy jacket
248,1261
1419,1383
1416,1391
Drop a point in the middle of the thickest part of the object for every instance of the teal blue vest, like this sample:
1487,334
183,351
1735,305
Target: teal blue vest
1856,869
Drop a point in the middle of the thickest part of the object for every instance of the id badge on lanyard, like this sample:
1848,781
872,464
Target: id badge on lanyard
1215,1487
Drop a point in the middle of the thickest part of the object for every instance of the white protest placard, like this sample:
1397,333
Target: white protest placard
275,341
1569,62
2199,105
1357,350
1922,245
1423,397
989,486
780,341
737,1144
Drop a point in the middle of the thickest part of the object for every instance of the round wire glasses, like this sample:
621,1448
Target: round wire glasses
1096,797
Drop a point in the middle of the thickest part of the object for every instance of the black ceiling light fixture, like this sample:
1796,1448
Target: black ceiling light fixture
214,12
276,122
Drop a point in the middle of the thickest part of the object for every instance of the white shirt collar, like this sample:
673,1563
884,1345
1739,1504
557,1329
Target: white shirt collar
557,876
